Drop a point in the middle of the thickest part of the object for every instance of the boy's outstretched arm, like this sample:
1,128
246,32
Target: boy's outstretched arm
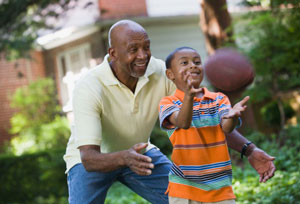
230,120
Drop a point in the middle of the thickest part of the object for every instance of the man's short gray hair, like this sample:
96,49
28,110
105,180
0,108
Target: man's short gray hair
121,22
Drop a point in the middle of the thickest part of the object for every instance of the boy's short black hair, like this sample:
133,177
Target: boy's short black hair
171,55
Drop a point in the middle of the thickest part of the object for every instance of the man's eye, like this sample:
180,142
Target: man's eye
184,63
147,47
132,50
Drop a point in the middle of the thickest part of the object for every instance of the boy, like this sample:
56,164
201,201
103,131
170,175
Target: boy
195,120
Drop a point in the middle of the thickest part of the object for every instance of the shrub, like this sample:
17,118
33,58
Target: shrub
282,188
31,178
38,123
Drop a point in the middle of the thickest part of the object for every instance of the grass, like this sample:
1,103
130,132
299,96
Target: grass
120,194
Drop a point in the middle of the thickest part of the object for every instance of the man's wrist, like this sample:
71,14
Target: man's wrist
121,159
249,150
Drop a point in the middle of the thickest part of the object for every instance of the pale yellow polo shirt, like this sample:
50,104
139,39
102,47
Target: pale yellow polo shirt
108,114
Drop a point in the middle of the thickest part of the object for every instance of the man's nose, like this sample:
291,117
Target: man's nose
142,54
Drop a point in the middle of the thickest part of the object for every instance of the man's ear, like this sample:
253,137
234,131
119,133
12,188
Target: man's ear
170,74
112,53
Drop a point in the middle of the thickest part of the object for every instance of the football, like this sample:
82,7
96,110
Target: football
228,70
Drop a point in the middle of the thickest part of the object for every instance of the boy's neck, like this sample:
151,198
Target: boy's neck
200,94
197,95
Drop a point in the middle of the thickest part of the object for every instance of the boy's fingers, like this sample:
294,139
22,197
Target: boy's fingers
244,101
197,90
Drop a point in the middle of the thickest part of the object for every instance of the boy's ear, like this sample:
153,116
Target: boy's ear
170,74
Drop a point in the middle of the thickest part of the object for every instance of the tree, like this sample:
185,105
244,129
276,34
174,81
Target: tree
20,21
215,22
273,37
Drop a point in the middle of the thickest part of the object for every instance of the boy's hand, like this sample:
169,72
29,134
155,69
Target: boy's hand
188,87
239,107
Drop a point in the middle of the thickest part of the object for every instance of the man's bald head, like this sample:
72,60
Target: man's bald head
120,28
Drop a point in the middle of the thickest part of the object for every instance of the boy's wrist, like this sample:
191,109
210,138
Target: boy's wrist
189,95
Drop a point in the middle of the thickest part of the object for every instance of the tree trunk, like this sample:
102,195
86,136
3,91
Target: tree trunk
215,21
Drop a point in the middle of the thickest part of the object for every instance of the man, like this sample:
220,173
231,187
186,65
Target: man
115,108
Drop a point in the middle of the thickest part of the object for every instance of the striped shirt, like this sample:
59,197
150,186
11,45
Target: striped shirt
201,168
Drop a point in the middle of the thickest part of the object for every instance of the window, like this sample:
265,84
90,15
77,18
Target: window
72,64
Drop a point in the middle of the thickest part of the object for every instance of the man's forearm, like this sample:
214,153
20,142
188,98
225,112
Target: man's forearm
93,160
236,141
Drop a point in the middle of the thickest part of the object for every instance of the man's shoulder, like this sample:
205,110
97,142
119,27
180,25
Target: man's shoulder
91,80
157,65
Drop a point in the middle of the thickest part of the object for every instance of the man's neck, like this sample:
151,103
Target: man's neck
128,81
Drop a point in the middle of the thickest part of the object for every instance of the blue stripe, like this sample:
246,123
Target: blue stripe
227,177
203,167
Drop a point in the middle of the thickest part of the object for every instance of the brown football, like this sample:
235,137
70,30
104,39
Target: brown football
229,70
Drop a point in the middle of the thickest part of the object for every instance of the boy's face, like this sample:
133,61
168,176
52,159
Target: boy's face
186,62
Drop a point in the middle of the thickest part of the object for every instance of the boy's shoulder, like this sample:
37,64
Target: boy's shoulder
169,98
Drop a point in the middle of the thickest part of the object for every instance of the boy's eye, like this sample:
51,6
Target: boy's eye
197,62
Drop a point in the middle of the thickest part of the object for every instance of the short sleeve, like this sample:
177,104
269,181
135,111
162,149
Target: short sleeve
224,107
166,108
87,112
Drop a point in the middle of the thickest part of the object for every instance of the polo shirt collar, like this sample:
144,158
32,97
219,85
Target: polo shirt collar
110,78
207,94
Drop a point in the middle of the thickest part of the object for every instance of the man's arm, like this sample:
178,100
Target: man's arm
93,160
259,160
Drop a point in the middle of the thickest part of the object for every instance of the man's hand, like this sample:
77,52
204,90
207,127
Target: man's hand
262,163
137,162
237,109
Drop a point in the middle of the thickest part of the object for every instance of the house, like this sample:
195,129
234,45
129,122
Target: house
82,43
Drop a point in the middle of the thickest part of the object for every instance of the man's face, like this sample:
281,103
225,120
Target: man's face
133,53
186,61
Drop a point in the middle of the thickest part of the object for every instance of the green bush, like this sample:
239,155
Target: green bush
271,39
38,123
282,188
161,140
32,178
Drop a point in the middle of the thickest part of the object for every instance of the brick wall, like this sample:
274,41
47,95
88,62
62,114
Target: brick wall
13,75
113,9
